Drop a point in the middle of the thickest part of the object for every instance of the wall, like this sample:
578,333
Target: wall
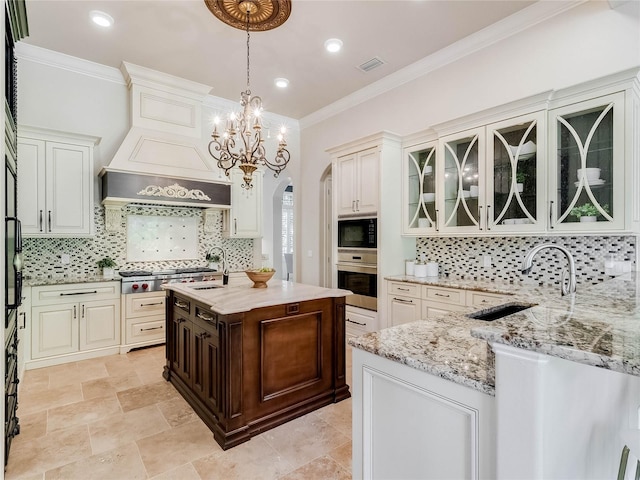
42,255
586,42
71,95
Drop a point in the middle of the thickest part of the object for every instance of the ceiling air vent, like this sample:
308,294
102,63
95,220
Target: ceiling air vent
369,65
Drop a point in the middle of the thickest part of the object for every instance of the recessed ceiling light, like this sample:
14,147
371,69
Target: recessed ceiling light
282,82
333,45
100,18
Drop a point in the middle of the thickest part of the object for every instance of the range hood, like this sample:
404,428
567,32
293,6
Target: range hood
163,158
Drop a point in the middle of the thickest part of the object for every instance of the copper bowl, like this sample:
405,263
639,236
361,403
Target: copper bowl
259,278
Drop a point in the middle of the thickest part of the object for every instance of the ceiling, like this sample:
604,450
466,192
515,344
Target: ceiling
183,38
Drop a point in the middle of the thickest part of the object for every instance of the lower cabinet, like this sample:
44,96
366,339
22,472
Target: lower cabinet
359,321
143,320
74,320
408,302
410,424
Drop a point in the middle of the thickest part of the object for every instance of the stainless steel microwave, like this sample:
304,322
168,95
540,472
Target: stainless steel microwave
358,233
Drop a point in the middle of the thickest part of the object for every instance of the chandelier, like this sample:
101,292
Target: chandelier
239,142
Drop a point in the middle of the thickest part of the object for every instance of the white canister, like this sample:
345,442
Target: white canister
420,270
409,267
432,269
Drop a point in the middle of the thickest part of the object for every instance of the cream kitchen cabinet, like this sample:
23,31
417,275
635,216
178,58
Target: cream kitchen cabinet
587,180
357,183
74,321
420,189
403,304
55,185
244,218
143,320
359,321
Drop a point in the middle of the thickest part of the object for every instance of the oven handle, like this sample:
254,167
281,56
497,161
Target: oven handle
355,268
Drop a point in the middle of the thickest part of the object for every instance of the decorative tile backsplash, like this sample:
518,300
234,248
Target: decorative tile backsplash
462,257
42,255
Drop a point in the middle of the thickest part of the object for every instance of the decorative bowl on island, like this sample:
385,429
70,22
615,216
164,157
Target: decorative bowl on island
260,276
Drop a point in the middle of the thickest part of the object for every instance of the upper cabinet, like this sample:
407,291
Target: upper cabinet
357,183
55,183
565,161
587,171
244,218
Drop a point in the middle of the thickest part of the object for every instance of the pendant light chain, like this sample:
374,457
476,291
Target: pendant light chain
248,90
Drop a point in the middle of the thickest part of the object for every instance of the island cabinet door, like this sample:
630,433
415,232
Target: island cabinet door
288,355
182,347
206,361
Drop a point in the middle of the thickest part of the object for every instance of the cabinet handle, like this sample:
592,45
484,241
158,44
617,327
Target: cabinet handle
40,220
83,310
550,213
404,289
204,317
151,328
353,205
49,220
402,300
437,227
442,295
235,226
480,216
24,320
204,335
150,304
357,323
180,304
78,293
74,311
488,219
180,320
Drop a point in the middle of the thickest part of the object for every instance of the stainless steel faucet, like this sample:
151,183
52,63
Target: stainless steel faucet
568,279
225,269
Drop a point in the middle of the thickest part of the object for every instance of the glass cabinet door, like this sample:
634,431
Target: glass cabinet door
515,196
589,165
420,188
462,181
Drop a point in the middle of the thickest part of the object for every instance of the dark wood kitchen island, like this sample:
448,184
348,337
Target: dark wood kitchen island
250,359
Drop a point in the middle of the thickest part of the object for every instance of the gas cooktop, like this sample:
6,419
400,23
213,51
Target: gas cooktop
176,271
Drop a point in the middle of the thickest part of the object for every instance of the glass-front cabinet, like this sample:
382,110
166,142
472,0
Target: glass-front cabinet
515,178
462,179
587,177
420,188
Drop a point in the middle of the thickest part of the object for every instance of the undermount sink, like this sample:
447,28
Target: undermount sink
206,287
494,313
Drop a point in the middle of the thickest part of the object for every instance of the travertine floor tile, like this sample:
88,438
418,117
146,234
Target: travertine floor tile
338,415
83,412
323,468
303,439
145,395
343,456
255,459
110,385
149,374
116,430
32,426
37,401
28,457
183,472
121,463
167,450
177,411
78,373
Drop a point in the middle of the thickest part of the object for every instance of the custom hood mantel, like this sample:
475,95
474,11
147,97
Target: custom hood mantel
163,158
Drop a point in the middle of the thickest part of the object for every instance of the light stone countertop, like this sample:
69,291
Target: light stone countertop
242,298
598,325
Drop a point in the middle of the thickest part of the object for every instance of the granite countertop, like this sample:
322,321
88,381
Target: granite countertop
599,325
226,300
63,280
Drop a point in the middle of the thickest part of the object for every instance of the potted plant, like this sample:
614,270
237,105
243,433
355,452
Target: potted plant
587,212
214,260
520,178
107,264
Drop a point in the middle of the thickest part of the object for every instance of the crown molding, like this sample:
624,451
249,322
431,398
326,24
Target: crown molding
508,27
24,51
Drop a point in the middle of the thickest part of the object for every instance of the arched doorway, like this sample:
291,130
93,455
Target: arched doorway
283,230
326,229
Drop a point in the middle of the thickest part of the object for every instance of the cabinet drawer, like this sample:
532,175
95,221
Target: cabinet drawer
404,289
480,299
359,322
436,309
140,331
444,295
208,318
144,304
76,292
182,304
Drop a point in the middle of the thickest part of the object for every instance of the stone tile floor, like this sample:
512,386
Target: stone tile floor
116,418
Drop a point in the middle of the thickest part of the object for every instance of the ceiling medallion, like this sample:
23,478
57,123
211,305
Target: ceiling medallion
263,14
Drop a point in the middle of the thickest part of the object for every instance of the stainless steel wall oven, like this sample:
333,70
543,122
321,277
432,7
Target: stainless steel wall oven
357,271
